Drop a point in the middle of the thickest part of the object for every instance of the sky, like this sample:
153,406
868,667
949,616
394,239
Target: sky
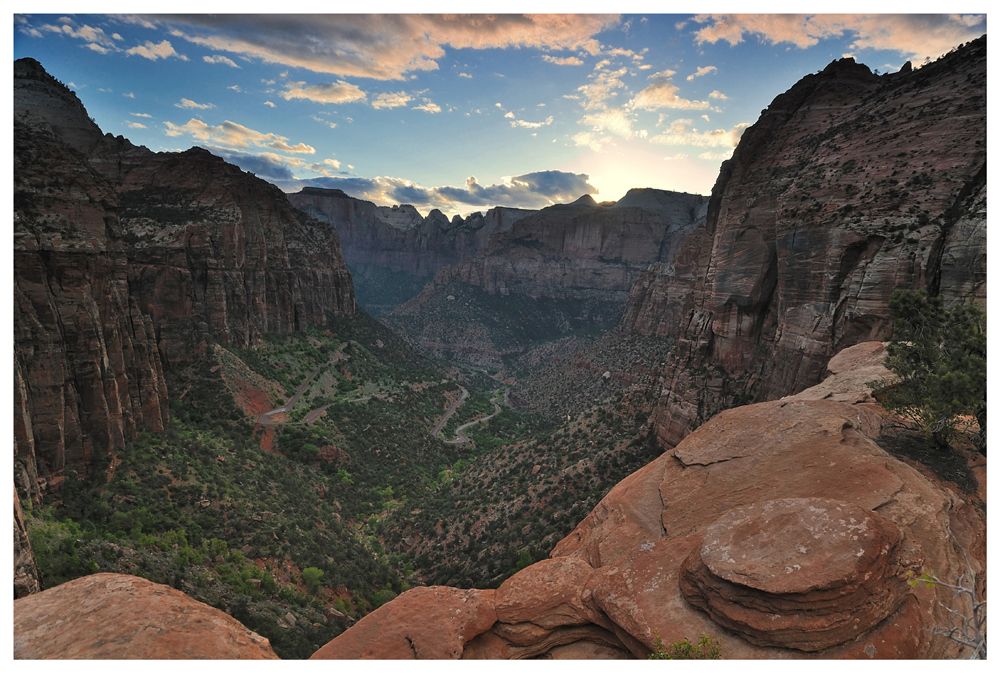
461,113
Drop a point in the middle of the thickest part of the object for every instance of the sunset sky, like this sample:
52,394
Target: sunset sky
461,113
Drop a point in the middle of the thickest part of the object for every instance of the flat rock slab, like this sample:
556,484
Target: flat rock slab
422,623
803,573
111,616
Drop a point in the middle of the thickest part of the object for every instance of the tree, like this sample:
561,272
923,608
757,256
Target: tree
311,578
939,355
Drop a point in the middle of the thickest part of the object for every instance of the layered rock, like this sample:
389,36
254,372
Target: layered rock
804,573
565,269
849,187
25,568
110,616
779,528
127,262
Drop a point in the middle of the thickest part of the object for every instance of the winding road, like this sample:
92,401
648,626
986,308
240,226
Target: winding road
447,414
461,438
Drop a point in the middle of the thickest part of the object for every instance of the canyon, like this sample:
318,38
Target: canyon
731,341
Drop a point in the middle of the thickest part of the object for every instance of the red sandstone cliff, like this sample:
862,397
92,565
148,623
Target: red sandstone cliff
127,262
848,187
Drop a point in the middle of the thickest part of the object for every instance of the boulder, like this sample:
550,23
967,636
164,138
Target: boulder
111,616
422,623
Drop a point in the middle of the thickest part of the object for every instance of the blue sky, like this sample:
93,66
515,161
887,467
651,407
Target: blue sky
461,113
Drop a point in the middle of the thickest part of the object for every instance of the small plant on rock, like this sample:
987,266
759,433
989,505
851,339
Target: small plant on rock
684,649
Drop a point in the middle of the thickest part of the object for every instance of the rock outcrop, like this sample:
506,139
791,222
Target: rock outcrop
129,262
849,187
779,528
110,616
564,269
398,238
25,568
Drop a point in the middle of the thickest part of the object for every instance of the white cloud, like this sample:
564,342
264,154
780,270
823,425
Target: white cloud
141,114
235,87
384,46
268,103
128,95
615,121
230,134
602,88
327,122
701,72
220,59
465,74
391,100
715,156
913,36
676,157
191,105
428,107
681,132
592,140
531,125
662,93
509,115
339,92
569,60
718,95
155,51
135,125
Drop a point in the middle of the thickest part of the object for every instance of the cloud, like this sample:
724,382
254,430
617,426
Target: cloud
602,88
615,121
592,140
268,103
191,105
391,100
465,74
232,135
509,115
339,92
128,95
155,51
96,38
700,72
235,87
569,60
530,125
662,93
718,95
220,59
267,165
915,37
676,157
141,114
532,190
428,107
135,125
383,46
681,132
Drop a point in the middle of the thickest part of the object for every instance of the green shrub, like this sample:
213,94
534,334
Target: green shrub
683,649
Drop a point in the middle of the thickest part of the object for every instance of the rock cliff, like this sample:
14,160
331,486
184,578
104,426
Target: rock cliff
110,616
565,269
848,187
780,528
393,251
128,263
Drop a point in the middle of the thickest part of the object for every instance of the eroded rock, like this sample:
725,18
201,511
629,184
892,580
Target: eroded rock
110,616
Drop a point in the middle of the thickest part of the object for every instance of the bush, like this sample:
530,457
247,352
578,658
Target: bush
939,355
683,649
311,578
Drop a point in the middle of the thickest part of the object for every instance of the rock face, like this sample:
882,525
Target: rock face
129,262
779,528
110,616
848,187
393,251
422,623
566,268
25,567
398,238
